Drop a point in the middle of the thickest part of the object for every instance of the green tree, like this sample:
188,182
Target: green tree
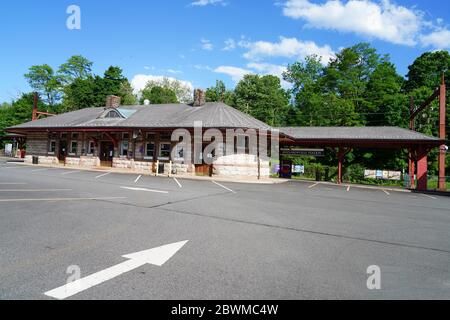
159,95
219,93
263,98
76,67
182,90
42,78
427,69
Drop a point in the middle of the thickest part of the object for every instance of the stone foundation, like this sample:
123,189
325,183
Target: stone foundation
243,165
87,161
46,160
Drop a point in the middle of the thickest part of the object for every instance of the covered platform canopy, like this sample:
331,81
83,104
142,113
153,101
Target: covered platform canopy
344,139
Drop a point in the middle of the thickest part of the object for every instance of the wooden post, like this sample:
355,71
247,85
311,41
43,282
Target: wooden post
422,169
170,168
442,134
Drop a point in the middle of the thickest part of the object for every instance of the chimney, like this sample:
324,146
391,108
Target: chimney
113,101
199,97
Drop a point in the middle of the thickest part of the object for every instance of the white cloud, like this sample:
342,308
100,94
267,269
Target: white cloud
382,20
202,3
173,71
439,39
206,44
286,47
235,73
140,80
272,69
230,45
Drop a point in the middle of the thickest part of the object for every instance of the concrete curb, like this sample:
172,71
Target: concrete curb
197,178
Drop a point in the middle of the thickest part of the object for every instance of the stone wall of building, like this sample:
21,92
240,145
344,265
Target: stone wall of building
37,143
89,161
45,160
241,165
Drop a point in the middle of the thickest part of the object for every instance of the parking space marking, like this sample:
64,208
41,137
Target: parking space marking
313,185
70,172
428,196
222,186
144,189
12,183
61,199
137,179
178,182
385,191
102,175
33,190
39,170
348,188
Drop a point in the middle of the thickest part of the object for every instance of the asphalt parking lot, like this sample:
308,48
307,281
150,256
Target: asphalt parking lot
295,240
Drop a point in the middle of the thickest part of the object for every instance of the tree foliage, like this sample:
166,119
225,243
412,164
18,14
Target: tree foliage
159,95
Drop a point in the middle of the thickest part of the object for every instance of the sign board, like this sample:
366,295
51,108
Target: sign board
383,175
298,169
302,152
8,150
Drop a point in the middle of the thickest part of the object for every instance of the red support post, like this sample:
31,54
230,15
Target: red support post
442,134
342,152
412,169
422,169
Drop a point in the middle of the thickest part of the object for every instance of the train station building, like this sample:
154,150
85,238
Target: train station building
202,138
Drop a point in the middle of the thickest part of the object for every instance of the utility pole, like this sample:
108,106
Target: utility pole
442,134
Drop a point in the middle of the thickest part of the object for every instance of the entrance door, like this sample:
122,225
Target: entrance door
106,153
62,153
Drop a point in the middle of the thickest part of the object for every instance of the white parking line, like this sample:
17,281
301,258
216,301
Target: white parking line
313,185
222,186
33,190
137,179
102,175
428,196
144,189
12,183
70,172
61,199
385,191
348,188
178,182
39,170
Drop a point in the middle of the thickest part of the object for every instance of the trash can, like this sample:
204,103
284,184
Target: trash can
318,175
35,160
161,168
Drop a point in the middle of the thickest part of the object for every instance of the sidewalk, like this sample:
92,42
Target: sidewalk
146,173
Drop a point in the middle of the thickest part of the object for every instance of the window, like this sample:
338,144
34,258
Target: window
52,147
150,149
164,150
74,136
179,152
113,114
242,144
124,146
91,147
73,147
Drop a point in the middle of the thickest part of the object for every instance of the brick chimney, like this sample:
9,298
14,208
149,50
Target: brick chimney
199,97
113,101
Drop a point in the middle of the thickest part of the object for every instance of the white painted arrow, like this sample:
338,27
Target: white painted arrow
156,256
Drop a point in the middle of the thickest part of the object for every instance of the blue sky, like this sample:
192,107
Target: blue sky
199,41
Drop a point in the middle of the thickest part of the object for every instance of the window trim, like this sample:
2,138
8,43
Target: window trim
160,156
146,156
50,151
71,148
89,153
